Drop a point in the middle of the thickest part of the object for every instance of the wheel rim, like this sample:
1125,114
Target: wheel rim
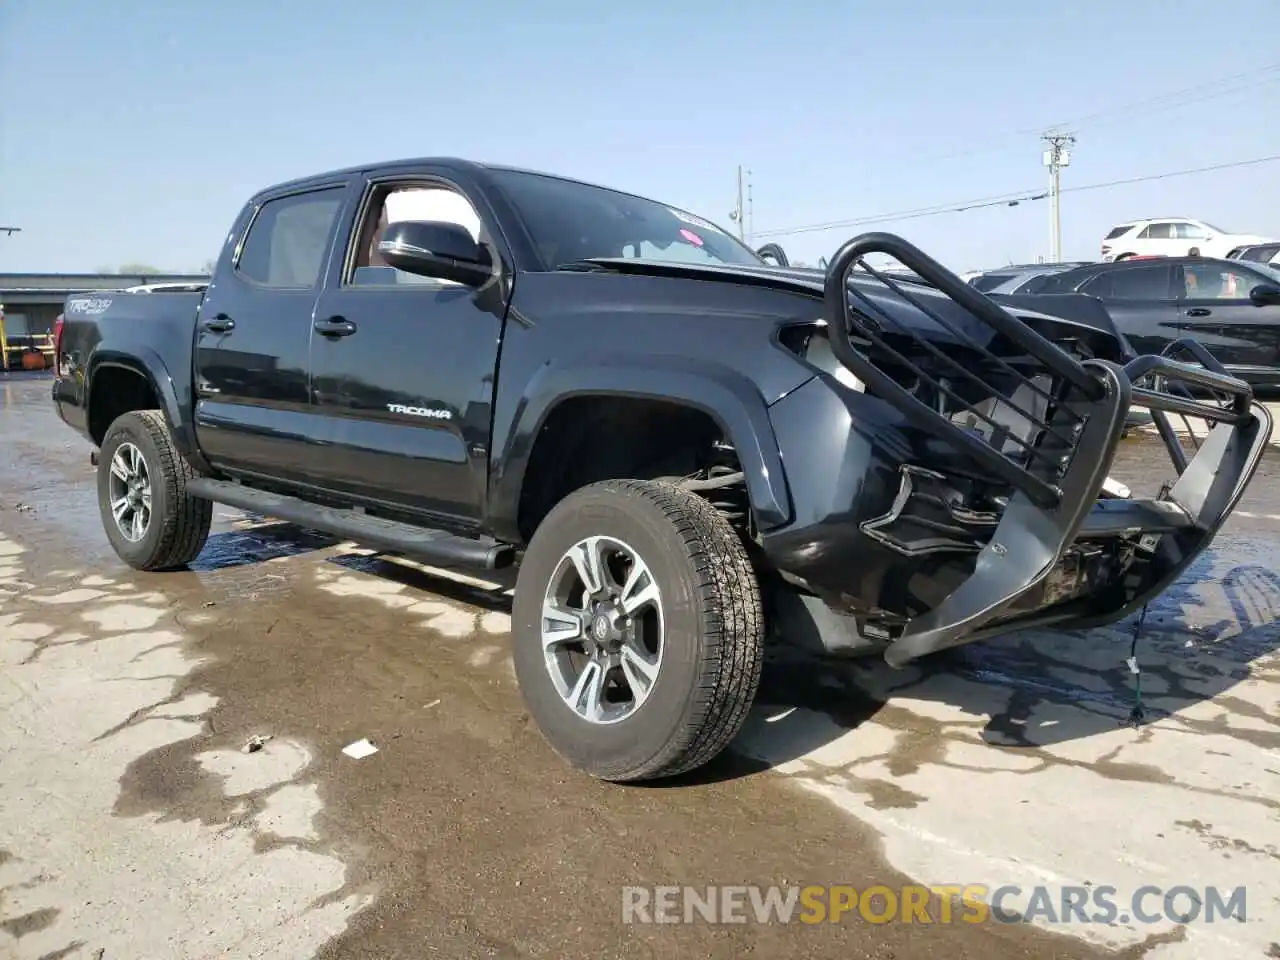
129,489
602,629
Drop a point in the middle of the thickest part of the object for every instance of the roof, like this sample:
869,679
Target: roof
391,166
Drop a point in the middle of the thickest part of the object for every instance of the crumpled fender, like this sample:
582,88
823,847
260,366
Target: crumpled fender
727,396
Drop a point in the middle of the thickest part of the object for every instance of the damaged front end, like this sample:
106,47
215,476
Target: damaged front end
955,457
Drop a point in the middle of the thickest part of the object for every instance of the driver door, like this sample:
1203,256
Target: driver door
403,366
1214,307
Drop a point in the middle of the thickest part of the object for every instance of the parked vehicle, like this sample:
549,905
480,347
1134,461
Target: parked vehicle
1258,252
1019,278
689,452
1231,306
1172,237
774,252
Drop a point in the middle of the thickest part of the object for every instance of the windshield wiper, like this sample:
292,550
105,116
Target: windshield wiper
584,266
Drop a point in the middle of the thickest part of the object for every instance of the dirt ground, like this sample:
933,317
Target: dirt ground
135,824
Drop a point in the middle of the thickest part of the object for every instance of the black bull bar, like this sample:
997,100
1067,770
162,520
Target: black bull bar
1058,480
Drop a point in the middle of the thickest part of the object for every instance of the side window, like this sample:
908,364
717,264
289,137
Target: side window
1140,283
1158,231
393,204
1213,282
1189,231
289,238
1099,286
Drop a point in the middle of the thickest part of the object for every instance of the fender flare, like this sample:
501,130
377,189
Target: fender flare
724,394
146,363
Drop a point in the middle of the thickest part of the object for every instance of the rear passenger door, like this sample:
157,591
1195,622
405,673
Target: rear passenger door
253,410
1141,300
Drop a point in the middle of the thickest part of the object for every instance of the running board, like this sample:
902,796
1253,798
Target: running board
391,536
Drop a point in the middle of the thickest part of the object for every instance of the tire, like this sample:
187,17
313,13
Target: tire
177,525
1123,256
711,620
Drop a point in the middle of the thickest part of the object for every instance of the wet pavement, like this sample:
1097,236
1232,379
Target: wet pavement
134,823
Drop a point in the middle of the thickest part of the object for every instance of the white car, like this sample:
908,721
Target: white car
1172,237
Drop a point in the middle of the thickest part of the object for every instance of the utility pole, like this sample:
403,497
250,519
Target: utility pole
751,211
739,214
1057,156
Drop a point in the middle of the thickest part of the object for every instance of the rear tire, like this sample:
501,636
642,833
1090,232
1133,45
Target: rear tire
702,661
150,519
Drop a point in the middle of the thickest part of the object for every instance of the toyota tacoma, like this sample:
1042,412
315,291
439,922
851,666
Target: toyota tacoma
690,453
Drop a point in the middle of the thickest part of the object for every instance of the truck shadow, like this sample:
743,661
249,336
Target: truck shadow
1033,690
1025,691
255,540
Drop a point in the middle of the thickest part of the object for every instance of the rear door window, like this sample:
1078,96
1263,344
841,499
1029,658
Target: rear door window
1134,283
289,238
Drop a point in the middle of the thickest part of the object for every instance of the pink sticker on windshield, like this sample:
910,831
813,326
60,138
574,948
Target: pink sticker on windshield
691,237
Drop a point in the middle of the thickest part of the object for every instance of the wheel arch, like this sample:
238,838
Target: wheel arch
104,369
726,398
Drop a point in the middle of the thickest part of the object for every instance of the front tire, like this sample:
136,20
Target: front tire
150,519
637,630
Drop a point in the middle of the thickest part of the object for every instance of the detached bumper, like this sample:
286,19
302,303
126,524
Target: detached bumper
1171,533
885,529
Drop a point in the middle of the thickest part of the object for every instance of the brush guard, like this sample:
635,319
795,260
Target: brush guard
1057,469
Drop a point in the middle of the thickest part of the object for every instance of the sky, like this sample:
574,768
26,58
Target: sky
134,134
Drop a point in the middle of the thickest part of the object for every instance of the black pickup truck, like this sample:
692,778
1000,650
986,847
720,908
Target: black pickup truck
689,452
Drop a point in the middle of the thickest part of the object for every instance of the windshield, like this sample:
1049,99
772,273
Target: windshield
572,221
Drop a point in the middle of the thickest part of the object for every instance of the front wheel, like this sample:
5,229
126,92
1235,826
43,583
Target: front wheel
150,519
637,630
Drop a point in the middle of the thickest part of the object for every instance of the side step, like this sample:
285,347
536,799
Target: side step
421,543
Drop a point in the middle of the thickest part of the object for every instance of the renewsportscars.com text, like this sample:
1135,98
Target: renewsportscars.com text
941,904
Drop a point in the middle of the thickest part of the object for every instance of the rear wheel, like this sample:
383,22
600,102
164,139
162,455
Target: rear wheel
637,630
150,519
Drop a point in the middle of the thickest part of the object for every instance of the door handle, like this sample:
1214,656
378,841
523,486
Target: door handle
1199,312
335,327
220,324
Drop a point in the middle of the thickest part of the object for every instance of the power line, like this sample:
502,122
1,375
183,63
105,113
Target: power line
1007,199
1174,173
1180,97
1184,96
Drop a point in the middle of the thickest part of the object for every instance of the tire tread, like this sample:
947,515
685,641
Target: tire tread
733,628
185,524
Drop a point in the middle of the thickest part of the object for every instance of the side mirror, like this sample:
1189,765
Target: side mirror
433,248
1265,295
